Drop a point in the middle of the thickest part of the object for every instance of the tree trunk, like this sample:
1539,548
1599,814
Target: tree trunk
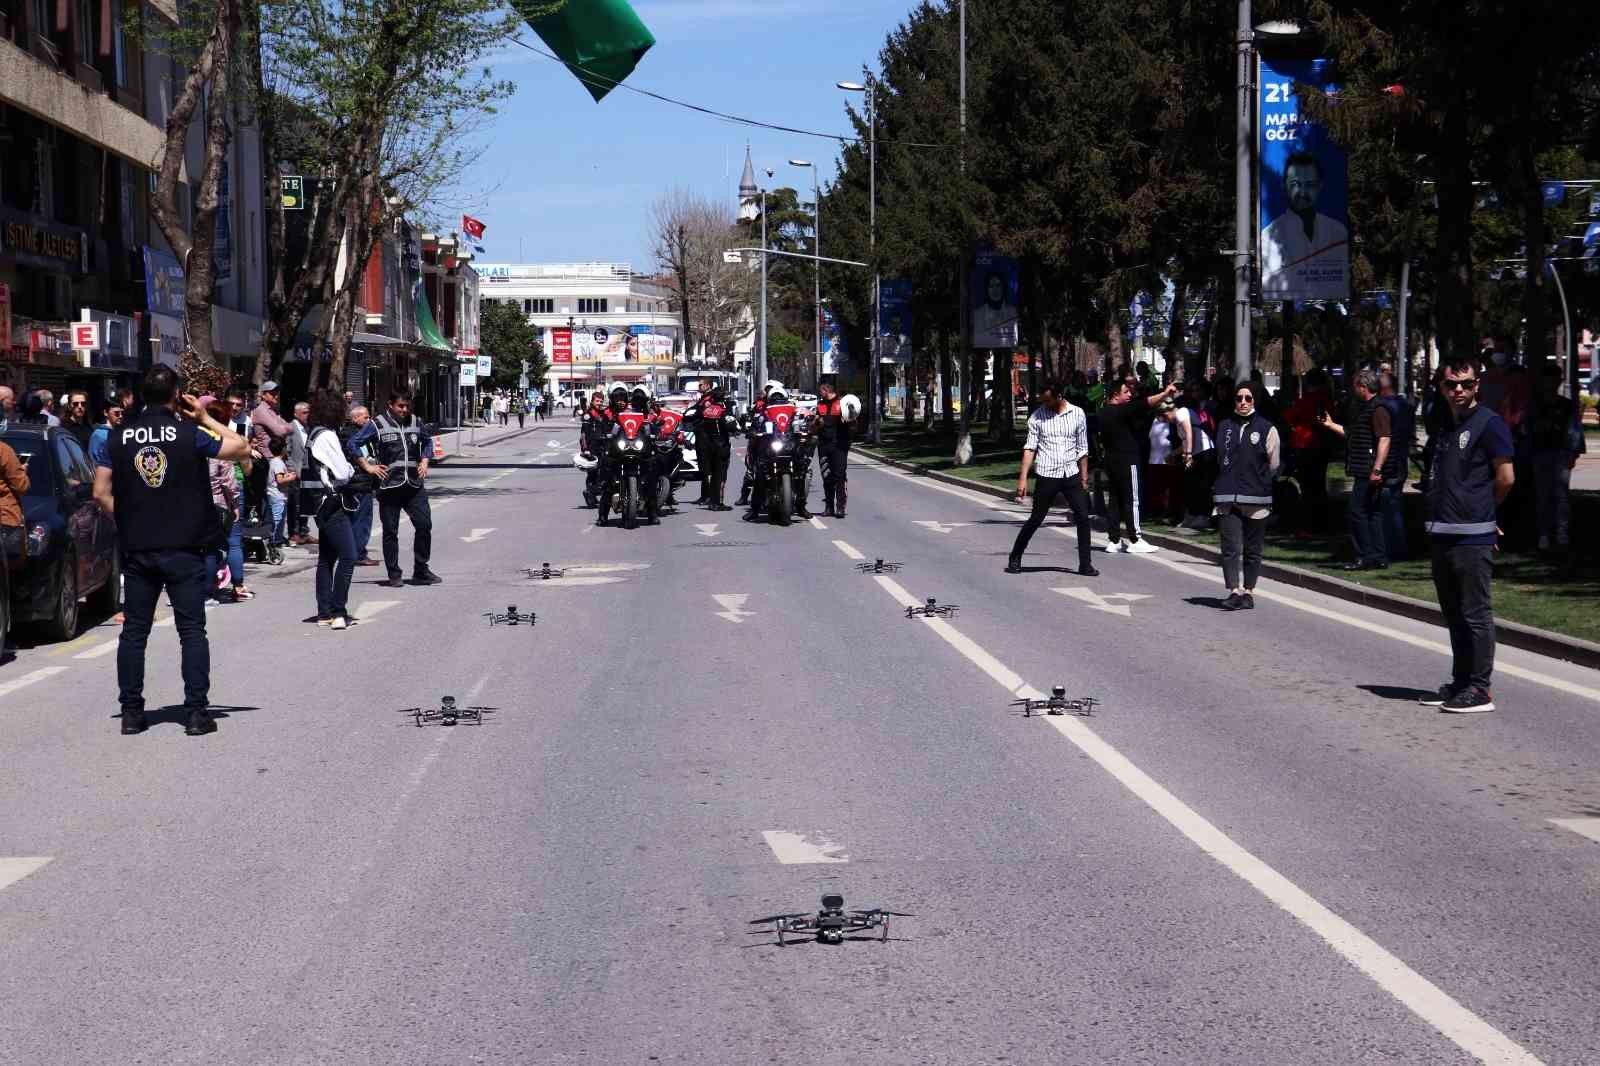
1114,356
1535,297
946,415
1194,369
362,227
1174,354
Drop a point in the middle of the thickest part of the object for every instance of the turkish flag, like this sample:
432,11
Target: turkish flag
472,227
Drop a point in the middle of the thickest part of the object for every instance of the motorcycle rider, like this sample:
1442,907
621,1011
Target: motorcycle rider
713,423
776,418
591,433
704,386
607,488
665,422
833,450
757,413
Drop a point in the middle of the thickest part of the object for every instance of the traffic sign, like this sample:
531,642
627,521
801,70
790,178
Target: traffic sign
292,187
469,374
732,257
485,366
601,334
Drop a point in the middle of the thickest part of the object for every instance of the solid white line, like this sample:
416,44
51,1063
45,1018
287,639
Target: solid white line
1588,827
98,650
13,870
816,523
8,687
848,551
791,848
1421,996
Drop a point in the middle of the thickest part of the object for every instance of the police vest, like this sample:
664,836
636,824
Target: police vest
711,421
399,449
360,481
162,484
1244,471
1361,444
1461,488
833,429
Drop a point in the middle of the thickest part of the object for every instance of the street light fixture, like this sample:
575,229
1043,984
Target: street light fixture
874,373
816,250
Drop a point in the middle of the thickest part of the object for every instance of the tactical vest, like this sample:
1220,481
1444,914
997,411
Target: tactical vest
832,429
1244,472
1361,443
399,449
161,484
1461,488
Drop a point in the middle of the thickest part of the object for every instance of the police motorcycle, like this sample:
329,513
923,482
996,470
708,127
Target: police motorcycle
775,453
667,440
624,466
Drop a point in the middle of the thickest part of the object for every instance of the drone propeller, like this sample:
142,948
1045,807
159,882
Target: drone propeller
777,918
880,910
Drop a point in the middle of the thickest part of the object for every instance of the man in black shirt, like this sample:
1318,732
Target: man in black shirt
1123,424
154,479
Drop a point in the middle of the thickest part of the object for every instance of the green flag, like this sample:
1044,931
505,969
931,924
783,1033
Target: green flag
600,41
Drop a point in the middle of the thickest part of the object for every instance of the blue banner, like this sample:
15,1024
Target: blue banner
995,288
1305,214
894,319
1555,193
163,282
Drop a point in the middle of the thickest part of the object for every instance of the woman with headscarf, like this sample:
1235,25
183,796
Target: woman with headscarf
1247,462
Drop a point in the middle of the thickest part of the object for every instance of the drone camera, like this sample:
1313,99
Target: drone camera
512,610
832,902
447,703
1059,692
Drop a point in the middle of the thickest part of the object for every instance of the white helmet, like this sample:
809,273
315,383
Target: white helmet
773,386
850,406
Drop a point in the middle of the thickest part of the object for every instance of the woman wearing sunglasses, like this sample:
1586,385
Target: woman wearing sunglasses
1247,462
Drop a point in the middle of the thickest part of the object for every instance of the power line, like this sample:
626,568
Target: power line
600,81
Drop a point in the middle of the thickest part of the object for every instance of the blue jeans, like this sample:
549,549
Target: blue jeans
278,505
361,524
336,560
236,552
1366,523
182,572
1392,512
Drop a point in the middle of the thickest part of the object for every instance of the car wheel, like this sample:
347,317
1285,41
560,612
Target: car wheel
62,624
108,598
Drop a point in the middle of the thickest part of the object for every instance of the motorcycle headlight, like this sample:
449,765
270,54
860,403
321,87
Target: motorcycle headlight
777,445
619,444
636,445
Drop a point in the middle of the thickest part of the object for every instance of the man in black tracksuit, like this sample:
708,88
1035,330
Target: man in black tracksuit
711,419
1123,423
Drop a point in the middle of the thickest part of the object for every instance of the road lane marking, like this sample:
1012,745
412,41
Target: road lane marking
732,604
440,503
791,848
569,582
1419,995
477,535
604,568
941,527
100,649
15,869
816,523
1587,827
41,674
848,551
706,529
365,612
1101,601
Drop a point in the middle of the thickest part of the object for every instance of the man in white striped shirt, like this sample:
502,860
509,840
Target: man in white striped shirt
1057,450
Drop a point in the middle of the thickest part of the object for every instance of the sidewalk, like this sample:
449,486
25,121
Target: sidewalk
1535,608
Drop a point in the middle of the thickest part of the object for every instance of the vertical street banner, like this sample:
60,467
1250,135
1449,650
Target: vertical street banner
995,288
1304,184
561,346
894,320
832,344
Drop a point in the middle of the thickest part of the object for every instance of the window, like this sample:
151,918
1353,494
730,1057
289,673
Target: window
539,307
591,305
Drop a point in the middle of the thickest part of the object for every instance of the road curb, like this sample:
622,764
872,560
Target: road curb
1514,634
483,443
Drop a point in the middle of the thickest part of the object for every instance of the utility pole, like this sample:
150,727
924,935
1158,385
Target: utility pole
761,363
1243,224
964,356
875,378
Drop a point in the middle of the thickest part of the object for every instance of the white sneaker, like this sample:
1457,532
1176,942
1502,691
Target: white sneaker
1115,546
338,623
1142,547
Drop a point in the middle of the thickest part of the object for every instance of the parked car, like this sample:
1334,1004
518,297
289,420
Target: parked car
72,543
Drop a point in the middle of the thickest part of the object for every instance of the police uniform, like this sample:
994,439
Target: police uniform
712,446
165,524
833,454
402,446
1242,496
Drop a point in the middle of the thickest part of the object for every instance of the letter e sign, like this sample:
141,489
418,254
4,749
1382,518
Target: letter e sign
86,336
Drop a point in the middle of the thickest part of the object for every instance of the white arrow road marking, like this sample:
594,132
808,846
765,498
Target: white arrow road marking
790,848
13,870
942,527
603,568
552,444
733,606
1100,602
1588,827
586,528
8,687
706,529
477,535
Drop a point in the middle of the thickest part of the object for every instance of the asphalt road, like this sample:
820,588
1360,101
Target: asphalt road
1259,849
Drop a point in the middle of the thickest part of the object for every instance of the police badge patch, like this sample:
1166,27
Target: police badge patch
1461,441
151,463
1255,438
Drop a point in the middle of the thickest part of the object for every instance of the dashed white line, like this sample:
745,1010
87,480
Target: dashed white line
365,612
816,523
15,869
44,672
791,848
849,551
1421,996
1586,827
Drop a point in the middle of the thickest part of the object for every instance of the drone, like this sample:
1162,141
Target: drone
877,566
510,617
447,712
544,573
932,609
831,923
1058,703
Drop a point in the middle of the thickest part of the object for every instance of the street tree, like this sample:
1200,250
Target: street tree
510,340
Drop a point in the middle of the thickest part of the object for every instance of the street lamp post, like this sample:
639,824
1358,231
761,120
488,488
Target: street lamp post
874,384
816,250
761,367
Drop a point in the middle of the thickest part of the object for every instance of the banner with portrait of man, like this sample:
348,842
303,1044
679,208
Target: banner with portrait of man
1304,250
995,289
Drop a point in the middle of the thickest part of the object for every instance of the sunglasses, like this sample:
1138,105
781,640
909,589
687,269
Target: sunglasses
1463,385
1244,397
78,403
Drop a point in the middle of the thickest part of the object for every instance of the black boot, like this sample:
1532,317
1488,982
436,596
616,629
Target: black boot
200,723
1014,565
840,494
132,721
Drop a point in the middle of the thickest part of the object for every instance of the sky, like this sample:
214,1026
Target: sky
563,179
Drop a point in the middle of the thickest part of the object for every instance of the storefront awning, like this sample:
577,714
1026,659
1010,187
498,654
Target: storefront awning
431,337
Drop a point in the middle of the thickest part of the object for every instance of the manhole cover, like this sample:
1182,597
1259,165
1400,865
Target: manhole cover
722,544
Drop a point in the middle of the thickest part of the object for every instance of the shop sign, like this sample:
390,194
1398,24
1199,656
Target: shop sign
118,342
292,187
51,346
86,336
163,282
166,335
38,243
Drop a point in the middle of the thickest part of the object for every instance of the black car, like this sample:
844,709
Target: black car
72,543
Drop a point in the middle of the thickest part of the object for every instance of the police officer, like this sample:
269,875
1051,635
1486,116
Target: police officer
591,437
155,482
712,421
833,451
403,450
1247,461
704,385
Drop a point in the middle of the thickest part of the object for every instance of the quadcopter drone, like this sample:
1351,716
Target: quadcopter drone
830,924
510,617
932,609
877,566
1058,703
544,573
447,712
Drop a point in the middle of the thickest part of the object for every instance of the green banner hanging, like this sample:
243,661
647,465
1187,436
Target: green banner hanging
600,41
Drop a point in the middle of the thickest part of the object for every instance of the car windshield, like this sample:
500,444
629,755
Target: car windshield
31,453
